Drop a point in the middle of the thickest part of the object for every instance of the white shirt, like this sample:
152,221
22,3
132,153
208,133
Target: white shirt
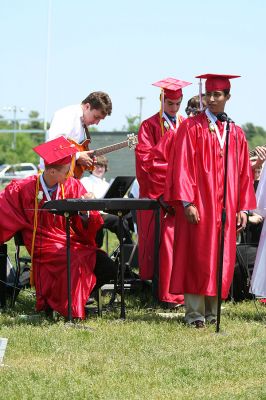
135,189
258,281
95,185
67,122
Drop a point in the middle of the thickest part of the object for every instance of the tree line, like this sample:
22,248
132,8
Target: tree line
17,147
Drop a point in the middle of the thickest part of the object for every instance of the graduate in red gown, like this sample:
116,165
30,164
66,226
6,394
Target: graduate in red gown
44,234
194,185
154,139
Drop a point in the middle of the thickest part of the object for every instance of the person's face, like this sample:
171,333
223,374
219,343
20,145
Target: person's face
257,173
216,101
91,116
99,171
171,107
60,175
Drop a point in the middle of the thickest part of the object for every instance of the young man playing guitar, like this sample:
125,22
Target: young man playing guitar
72,122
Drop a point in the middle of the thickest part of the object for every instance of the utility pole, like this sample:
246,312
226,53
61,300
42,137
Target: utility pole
15,109
140,98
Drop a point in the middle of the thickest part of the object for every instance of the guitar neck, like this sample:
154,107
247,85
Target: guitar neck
252,153
109,149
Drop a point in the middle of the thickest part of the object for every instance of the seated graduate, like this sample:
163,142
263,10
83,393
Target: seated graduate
44,233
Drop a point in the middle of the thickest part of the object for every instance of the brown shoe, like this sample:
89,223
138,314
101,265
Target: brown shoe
198,324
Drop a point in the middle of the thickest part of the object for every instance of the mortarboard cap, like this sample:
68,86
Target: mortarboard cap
58,151
217,81
172,88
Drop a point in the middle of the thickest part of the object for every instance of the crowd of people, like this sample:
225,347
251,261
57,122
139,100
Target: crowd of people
198,168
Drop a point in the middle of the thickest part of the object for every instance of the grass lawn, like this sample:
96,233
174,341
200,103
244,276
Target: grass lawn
151,355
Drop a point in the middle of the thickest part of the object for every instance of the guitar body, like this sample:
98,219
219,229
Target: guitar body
131,142
79,169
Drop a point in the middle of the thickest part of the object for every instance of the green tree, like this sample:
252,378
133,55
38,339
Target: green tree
255,135
132,124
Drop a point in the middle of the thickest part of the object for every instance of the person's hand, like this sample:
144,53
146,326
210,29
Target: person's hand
86,158
88,196
192,214
241,221
255,219
258,160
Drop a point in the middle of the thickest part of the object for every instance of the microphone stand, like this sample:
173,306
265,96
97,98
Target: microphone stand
223,220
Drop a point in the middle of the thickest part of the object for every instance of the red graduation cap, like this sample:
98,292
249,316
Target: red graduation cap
217,81
172,87
58,151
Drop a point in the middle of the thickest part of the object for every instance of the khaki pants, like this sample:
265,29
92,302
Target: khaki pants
200,308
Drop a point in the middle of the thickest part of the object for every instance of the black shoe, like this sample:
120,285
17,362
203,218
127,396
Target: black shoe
198,324
90,301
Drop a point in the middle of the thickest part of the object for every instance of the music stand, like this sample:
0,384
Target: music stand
119,187
70,207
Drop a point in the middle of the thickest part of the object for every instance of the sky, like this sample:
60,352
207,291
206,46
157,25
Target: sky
55,52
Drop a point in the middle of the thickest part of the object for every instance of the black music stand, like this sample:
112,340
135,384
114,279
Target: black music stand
119,187
70,207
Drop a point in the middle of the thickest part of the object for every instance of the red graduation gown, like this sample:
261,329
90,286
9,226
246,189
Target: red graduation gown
50,274
151,166
196,174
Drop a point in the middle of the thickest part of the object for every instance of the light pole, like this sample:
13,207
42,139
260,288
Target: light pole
15,109
140,98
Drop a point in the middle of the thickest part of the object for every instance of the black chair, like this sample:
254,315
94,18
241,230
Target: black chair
23,263
3,275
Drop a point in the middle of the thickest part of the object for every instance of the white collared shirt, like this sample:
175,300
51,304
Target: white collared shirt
95,185
67,122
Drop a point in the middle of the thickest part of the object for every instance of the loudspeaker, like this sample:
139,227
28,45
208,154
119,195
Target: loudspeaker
245,259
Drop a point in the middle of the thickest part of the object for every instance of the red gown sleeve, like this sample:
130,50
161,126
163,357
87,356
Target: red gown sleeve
13,216
85,232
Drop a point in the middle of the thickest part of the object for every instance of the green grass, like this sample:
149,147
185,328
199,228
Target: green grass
151,355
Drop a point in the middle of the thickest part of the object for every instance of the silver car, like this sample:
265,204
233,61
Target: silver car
16,171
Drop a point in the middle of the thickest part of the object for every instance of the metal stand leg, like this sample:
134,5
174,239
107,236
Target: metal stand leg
100,302
69,295
155,279
122,266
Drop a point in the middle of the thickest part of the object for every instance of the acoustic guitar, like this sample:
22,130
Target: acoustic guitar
131,142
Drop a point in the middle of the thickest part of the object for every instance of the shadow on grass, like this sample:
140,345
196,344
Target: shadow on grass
23,312
248,311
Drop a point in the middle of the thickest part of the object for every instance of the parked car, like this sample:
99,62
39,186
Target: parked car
16,171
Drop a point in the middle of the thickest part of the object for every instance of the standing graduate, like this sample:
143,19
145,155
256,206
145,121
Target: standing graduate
154,137
44,234
195,186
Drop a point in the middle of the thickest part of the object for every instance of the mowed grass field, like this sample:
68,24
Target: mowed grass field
150,355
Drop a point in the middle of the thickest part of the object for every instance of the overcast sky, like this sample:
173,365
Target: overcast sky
121,47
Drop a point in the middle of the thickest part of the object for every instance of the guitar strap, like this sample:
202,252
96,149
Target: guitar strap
87,133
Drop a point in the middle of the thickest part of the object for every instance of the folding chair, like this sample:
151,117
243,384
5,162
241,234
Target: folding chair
20,261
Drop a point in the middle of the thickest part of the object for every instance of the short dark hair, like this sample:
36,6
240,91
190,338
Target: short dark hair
193,105
99,101
58,167
102,161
